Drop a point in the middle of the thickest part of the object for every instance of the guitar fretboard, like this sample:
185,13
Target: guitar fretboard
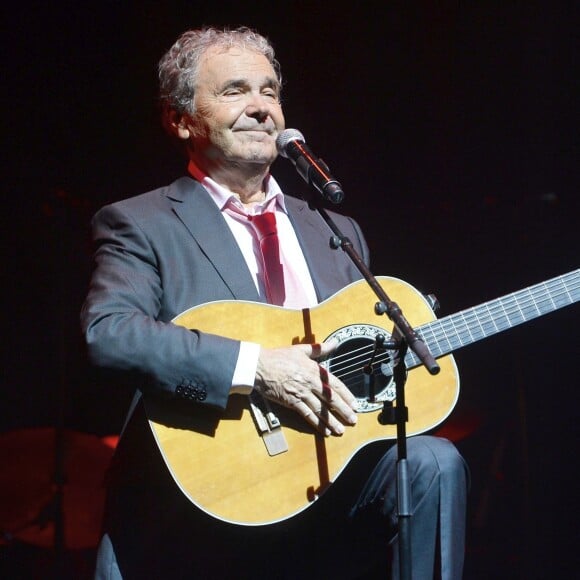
467,326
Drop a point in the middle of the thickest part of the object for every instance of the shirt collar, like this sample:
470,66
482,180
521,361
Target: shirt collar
222,196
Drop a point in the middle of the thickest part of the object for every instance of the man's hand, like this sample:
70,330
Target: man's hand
289,376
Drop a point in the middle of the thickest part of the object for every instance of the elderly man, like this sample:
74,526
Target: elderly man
199,240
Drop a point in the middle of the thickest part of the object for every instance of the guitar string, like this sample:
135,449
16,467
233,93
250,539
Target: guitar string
493,306
510,304
494,315
467,317
563,297
471,314
354,367
352,364
456,325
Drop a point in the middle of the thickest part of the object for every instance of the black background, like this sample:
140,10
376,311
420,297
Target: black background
452,128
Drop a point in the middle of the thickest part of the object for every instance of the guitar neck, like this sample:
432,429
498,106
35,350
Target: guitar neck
445,335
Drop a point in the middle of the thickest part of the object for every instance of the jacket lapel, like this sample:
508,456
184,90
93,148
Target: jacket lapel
199,214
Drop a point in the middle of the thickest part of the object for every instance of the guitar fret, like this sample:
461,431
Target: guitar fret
533,306
500,315
490,321
552,301
534,302
437,350
512,320
473,324
452,332
468,317
519,307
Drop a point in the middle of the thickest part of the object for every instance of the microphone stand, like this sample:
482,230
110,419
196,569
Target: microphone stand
405,338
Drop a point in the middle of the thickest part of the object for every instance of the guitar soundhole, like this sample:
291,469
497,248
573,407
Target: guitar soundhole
349,360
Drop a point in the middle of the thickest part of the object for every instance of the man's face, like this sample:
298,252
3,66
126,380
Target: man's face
237,110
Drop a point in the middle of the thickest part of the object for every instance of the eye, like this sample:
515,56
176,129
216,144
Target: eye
270,94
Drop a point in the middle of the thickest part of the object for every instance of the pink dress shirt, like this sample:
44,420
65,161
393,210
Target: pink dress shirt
300,292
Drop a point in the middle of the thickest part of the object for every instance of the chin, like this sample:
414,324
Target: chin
259,160
257,154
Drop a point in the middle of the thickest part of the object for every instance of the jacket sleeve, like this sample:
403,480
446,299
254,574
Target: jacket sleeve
121,325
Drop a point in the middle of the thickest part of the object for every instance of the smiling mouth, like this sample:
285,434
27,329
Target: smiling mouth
256,134
254,131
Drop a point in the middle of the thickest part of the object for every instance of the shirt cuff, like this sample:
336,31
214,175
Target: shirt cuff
245,371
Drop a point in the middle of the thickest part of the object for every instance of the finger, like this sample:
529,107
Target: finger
319,416
318,350
333,386
334,391
321,398
337,397
327,379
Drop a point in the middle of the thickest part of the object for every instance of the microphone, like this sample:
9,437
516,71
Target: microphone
290,144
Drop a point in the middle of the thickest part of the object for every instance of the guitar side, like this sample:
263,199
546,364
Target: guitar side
219,460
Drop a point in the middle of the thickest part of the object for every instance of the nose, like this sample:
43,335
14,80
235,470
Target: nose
258,106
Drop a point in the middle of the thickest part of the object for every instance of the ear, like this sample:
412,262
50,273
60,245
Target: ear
177,124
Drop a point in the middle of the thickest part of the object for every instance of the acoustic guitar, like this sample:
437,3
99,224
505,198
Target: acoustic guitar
257,463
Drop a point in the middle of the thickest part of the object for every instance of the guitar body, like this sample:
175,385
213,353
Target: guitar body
220,461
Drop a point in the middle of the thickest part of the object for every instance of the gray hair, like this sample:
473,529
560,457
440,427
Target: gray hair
178,69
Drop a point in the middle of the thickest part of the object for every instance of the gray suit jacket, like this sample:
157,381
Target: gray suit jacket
162,252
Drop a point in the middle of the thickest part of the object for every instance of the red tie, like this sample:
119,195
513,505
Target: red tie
265,226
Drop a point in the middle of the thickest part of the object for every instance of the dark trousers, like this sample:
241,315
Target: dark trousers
153,531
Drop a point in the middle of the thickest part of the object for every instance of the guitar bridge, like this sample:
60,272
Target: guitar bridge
268,425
